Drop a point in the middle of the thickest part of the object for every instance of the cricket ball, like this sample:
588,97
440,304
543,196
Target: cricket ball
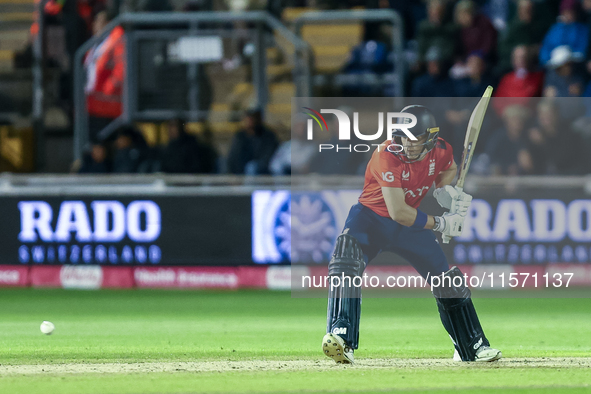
47,327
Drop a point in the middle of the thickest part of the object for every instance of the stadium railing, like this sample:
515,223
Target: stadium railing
175,26
41,184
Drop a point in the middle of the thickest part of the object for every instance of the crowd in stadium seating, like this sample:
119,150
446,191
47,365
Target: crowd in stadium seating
127,152
524,48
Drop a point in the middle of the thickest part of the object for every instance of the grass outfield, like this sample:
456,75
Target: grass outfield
259,341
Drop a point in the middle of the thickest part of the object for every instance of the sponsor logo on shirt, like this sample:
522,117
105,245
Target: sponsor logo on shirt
388,176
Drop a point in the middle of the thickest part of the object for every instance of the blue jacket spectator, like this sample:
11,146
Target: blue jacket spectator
435,83
566,32
368,57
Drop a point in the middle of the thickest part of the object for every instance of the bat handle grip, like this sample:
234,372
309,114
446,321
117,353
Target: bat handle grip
446,238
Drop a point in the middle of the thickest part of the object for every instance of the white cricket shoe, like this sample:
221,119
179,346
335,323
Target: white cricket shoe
335,347
483,354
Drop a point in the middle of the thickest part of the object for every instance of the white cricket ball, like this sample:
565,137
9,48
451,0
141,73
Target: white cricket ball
47,327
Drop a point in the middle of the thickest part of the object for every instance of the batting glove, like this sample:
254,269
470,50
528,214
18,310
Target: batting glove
450,198
450,224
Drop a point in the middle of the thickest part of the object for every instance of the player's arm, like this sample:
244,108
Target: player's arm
445,177
450,224
399,210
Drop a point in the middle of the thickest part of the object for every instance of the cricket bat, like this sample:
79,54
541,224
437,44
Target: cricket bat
472,133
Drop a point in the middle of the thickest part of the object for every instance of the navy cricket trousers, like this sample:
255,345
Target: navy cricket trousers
378,234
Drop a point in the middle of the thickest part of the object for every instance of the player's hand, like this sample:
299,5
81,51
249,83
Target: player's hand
451,198
450,224
461,204
445,195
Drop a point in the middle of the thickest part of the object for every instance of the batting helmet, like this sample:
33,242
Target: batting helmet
426,125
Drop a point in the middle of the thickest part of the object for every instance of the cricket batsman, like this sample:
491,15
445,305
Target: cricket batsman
387,218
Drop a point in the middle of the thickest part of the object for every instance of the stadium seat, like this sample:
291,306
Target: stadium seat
332,44
16,149
6,60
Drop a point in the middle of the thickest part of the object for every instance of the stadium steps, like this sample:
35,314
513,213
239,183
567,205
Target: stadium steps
16,17
14,39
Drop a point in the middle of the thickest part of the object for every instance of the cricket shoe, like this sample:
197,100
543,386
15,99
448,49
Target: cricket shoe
335,347
483,354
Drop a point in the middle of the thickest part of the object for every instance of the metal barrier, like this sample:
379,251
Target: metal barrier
158,25
14,184
367,16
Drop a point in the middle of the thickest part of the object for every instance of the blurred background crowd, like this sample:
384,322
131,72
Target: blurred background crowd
535,53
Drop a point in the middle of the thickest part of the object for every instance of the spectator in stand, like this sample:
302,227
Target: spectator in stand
477,32
520,84
497,11
506,150
582,125
567,31
95,161
435,83
555,148
105,73
586,5
524,29
478,77
129,151
368,57
211,158
562,78
436,31
72,12
411,11
473,85
184,154
155,5
252,147
294,156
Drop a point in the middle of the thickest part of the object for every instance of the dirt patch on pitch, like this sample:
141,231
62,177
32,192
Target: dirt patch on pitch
267,365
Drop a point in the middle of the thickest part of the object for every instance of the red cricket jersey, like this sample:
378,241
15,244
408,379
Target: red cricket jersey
385,169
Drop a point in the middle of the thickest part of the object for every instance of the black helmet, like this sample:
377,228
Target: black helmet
425,125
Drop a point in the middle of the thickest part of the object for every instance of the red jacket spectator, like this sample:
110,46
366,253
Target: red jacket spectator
54,7
105,68
520,84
